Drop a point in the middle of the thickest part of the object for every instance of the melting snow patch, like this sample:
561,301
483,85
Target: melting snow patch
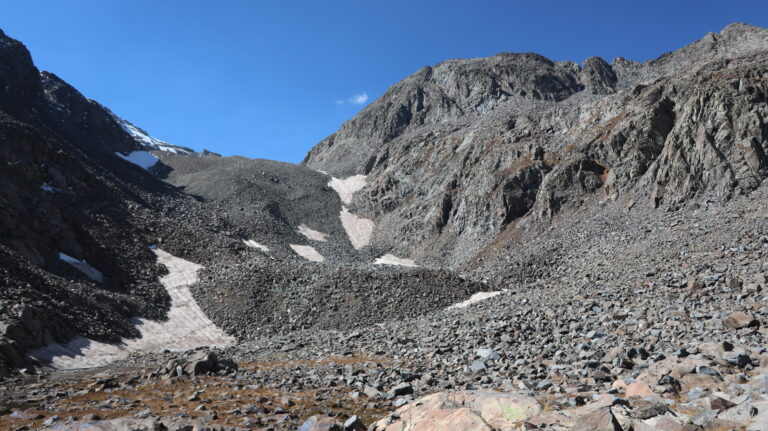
311,233
82,266
477,297
49,188
149,141
359,229
142,159
307,252
347,187
391,259
254,244
187,327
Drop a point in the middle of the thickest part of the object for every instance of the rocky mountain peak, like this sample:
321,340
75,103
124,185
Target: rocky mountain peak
455,91
20,86
598,76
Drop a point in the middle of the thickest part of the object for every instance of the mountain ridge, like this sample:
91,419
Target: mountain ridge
539,143
733,38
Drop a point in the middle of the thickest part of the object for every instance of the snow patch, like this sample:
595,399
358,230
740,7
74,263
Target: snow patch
474,299
143,159
186,327
391,259
47,187
347,187
307,252
254,244
83,266
149,141
312,234
359,229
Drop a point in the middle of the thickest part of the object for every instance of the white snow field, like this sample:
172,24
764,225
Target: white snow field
253,244
186,327
474,299
149,141
311,233
143,159
347,187
391,259
359,229
83,266
307,252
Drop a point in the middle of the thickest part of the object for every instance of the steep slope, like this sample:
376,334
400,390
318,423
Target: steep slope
284,215
77,216
84,206
464,156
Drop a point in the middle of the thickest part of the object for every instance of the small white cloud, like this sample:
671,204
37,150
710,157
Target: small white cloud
357,99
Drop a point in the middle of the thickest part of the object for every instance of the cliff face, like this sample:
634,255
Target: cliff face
65,192
458,153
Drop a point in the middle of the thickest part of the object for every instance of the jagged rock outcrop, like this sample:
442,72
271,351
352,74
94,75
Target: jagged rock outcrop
517,141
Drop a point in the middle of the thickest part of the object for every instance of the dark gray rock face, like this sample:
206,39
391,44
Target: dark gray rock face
598,76
476,148
65,191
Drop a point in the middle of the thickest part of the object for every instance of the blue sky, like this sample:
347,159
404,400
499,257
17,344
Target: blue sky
270,79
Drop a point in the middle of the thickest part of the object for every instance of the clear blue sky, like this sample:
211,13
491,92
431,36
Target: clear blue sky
272,78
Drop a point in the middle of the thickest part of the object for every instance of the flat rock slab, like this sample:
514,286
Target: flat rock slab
149,424
600,420
739,319
462,411
321,423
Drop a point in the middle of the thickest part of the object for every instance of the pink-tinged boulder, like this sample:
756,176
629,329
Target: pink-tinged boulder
740,319
462,411
639,390
690,381
321,423
662,423
600,420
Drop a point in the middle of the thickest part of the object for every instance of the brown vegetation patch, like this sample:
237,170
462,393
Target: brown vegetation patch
126,395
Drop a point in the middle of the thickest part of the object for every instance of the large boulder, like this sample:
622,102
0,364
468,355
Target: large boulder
321,423
740,319
599,420
148,424
462,411
200,363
